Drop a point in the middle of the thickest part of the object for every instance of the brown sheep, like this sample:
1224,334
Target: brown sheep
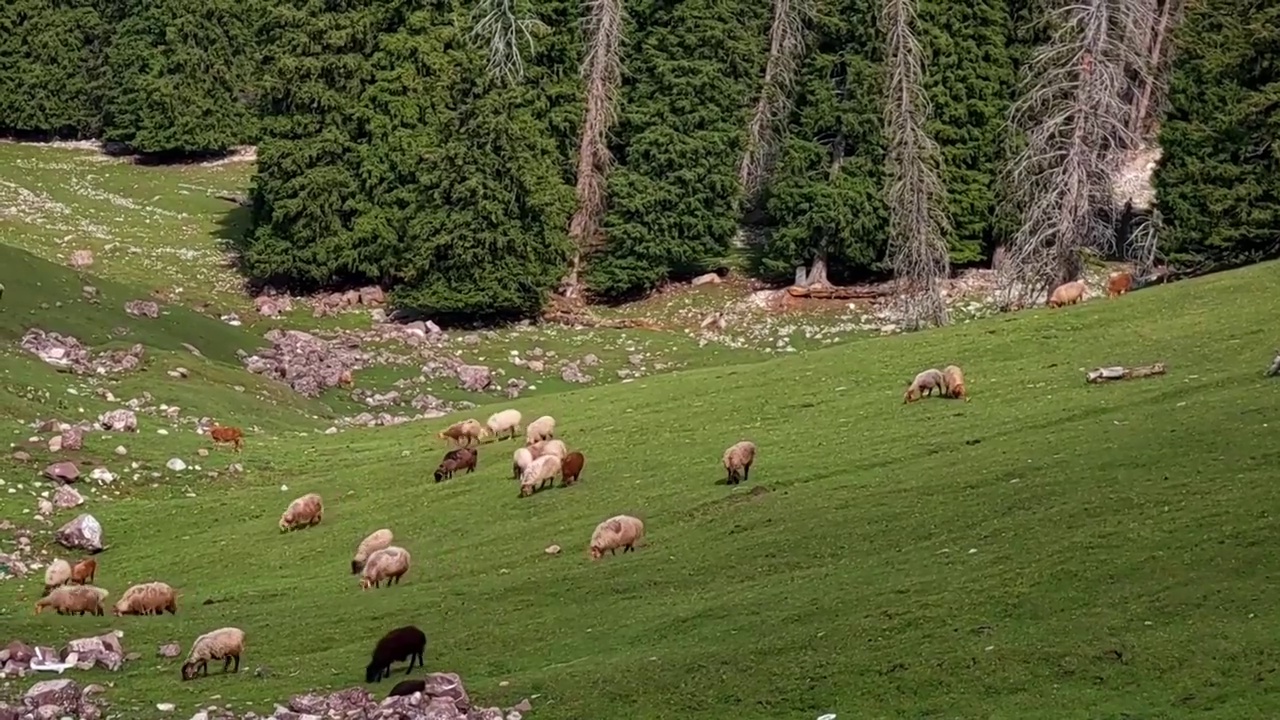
463,433
571,468
1067,294
464,459
232,436
84,571
955,382
1119,283
72,599
305,511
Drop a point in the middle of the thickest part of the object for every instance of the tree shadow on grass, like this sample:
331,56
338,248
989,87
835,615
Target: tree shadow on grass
231,234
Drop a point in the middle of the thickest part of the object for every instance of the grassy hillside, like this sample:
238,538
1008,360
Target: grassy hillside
1048,550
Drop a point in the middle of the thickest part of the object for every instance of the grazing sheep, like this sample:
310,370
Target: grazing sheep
1067,294
540,472
152,598
346,379
403,643
408,687
1119,283
224,644
619,531
84,571
69,599
387,564
306,511
464,460
376,541
506,421
954,378
924,384
544,428
549,447
463,433
520,460
229,435
737,461
571,468
58,573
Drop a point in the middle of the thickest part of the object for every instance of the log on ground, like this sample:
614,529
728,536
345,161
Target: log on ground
1123,373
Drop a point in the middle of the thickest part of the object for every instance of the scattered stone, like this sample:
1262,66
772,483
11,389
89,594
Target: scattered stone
474,378
179,372
572,373
102,476
176,464
66,497
81,259
73,438
536,366
21,456
82,533
169,650
55,443
202,452
142,308
306,363
706,279
590,360
165,707
552,550
44,507
63,472
121,450
118,421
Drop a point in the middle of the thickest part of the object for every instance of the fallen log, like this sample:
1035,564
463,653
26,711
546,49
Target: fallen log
1271,372
237,198
836,292
1123,373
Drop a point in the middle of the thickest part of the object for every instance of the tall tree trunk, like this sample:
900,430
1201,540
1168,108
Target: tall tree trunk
1155,77
786,46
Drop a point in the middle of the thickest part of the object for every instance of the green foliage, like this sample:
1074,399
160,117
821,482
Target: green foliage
1219,178
180,76
826,194
691,69
50,52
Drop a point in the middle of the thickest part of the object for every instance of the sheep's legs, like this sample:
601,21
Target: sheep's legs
746,473
226,664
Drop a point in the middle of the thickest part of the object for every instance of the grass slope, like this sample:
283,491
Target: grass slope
1049,550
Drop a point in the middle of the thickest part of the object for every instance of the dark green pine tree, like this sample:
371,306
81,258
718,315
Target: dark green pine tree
825,204
50,55
1218,183
969,80
691,70
181,76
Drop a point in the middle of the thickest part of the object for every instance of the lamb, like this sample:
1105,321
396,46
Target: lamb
377,540
540,472
387,564
306,511
152,598
506,421
1067,294
1119,283
408,687
406,642
84,571
468,430
737,461
520,460
544,428
619,531
58,573
69,599
224,644
954,377
464,459
549,447
230,435
924,384
571,468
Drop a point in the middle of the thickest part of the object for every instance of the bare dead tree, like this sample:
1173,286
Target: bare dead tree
1152,42
502,28
786,47
1075,121
1144,242
918,222
601,74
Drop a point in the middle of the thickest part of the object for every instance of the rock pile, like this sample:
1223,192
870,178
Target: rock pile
67,353
55,699
304,362
142,308
332,303
18,659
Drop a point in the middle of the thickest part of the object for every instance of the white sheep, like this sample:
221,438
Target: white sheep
377,540
506,421
58,573
544,428
925,382
549,447
541,471
305,511
737,461
224,644
152,598
619,531
520,459
387,564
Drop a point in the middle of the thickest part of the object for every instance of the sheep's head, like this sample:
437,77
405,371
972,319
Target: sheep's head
40,606
596,553
285,521
188,670
366,583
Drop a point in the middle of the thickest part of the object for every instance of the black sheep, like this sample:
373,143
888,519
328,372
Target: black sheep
403,643
408,687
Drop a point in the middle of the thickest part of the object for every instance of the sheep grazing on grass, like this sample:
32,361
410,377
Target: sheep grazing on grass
74,599
507,421
232,436
58,573
619,531
465,459
571,468
306,511
1067,294
549,447
1119,283
404,643
737,461
520,459
84,571
377,540
953,378
463,433
408,687
924,384
153,598
225,644
387,564
544,428
541,471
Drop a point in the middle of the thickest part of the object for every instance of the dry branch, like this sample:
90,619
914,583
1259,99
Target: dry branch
917,219
1122,373
1153,27
500,27
837,292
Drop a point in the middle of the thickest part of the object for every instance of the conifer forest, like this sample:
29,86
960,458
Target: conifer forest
475,157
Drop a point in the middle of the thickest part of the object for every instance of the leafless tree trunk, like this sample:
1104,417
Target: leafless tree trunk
917,217
1076,124
601,74
1156,20
786,47
501,27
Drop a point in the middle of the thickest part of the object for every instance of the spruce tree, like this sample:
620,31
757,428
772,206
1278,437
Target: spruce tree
1218,183
50,52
